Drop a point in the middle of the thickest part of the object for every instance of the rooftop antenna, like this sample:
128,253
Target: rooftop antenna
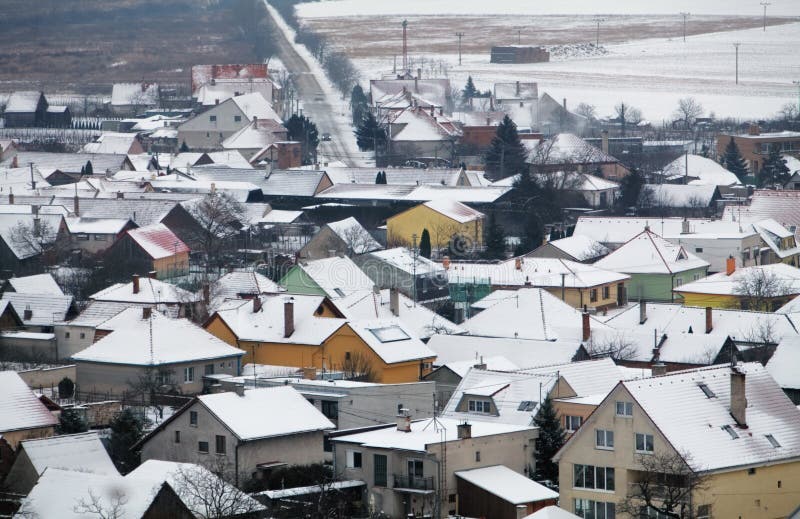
405,46
765,4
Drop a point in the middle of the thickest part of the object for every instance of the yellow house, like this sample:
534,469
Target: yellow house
444,220
732,427
308,331
760,287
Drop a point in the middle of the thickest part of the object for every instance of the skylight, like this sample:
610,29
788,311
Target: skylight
706,390
526,405
773,441
339,292
728,429
389,334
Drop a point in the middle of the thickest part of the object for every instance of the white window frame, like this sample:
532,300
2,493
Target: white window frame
188,375
569,422
350,454
627,409
601,439
479,406
644,437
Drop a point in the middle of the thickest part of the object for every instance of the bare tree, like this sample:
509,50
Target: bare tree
665,484
111,508
357,366
209,491
617,347
688,110
357,240
219,219
154,380
587,110
758,288
788,112
39,238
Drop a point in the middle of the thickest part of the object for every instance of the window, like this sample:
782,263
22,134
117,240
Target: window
83,335
100,237
526,405
624,408
728,429
177,436
644,442
594,509
327,444
188,375
330,408
695,277
707,390
704,512
220,444
698,249
480,406
751,471
604,439
678,282
193,418
399,408
589,476
202,447
212,118
593,295
415,469
477,455
66,335
772,441
606,292
237,118
209,369
353,459
347,355
380,470
82,237
571,423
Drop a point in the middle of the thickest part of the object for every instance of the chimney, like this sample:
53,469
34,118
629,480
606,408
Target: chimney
419,73
738,397
642,311
255,121
288,317
464,431
587,331
730,265
685,229
709,320
604,139
310,373
239,389
76,205
518,263
15,162
394,302
136,283
256,304
152,274
404,421
517,89
753,129
488,121
206,293
480,365
416,87
146,312
27,314
565,103
10,197
446,262
120,195
433,111
658,369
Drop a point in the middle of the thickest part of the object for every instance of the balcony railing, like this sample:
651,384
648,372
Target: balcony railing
413,482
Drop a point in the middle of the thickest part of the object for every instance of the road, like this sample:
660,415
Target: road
326,109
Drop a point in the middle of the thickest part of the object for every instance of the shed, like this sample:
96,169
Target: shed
500,493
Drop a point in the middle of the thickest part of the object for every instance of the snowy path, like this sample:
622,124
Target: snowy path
320,101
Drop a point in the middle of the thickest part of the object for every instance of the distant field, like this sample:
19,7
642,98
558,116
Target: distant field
86,45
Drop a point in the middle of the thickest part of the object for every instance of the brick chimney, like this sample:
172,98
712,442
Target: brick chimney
446,262
587,331
310,373
288,317
604,140
709,320
256,304
206,293
120,195
730,265
76,205
404,421
239,389
146,312
27,314
642,311
136,283
753,129
738,397
518,263
10,197
565,103
15,162
659,368
464,431
152,274
394,302
517,88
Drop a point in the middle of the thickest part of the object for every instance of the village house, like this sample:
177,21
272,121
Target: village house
216,91
149,291
237,285
153,248
249,430
754,146
260,135
26,109
444,219
436,92
578,248
697,170
133,98
204,74
93,236
23,415
568,152
423,135
19,254
113,143
141,343
730,424
414,276
345,237
680,199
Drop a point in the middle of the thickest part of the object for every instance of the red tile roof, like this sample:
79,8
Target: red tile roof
158,241
202,74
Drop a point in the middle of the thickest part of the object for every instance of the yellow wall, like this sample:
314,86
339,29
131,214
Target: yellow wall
15,437
171,265
401,227
712,300
576,298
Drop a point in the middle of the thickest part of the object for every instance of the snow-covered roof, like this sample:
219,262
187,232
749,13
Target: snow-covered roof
418,125
435,90
774,235
142,211
581,247
254,105
619,229
455,350
512,487
11,223
46,308
111,143
792,162
537,272
588,377
336,276
396,176
135,341
565,148
18,180
693,422
391,340
422,193
36,284
265,413
19,407
23,101
516,90
203,74
787,281
497,363
782,366
83,452
454,210
532,314
151,291
235,285
136,94
158,241
220,90
352,233
47,162
679,195
98,312
256,135
703,170
403,259
649,253
424,433
781,205
551,512
76,225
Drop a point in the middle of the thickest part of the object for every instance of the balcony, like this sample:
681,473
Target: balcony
405,483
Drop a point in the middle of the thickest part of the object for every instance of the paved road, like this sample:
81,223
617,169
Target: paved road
318,106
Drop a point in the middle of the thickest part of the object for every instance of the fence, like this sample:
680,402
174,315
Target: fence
67,136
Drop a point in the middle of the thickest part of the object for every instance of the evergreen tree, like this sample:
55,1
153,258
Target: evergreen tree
733,160
66,388
551,439
359,105
425,244
630,189
184,148
495,239
383,177
469,91
506,155
369,133
302,129
774,171
71,422
378,178
533,234
88,170
126,430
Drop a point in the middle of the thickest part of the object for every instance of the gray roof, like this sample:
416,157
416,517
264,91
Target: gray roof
23,101
279,182
46,308
143,212
69,162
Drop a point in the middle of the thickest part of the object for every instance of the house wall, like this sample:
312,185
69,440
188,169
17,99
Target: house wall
72,339
729,301
296,281
578,297
201,133
45,377
755,150
175,265
717,250
446,383
23,476
167,505
658,287
96,243
321,245
473,501
565,408
24,348
401,228
15,437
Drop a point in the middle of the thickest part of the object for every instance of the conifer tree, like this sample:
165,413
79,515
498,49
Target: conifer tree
184,148
369,133
495,239
506,155
734,161
425,244
358,105
469,91
88,170
71,422
774,171
378,178
126,430
551,439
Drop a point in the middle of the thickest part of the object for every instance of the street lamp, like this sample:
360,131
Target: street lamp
737,61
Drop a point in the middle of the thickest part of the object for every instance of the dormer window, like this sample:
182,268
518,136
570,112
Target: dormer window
707,390
480,406
772,441
728,429
527,406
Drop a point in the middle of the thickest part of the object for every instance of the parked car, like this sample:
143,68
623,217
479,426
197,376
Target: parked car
326,136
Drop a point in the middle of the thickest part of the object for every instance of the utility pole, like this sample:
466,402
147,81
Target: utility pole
33,182
460,35
519,36
597,34
685,16
797,83
414,272
765,4
737,61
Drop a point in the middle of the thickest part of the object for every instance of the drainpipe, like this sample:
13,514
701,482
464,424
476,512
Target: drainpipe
236,463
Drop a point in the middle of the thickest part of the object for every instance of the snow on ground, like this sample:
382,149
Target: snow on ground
332,8
653,74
